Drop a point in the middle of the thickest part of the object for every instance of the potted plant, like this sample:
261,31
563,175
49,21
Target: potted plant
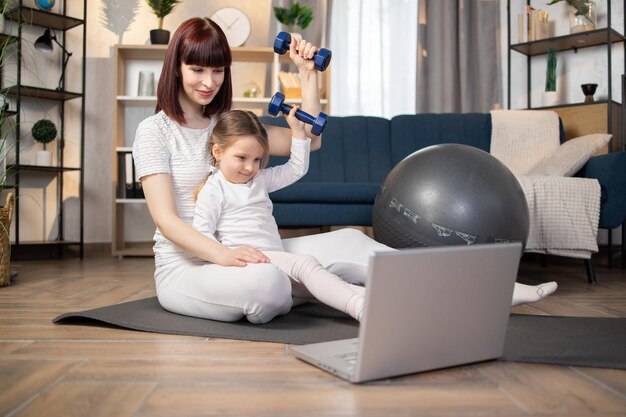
44,131
550,95
295,15
161,8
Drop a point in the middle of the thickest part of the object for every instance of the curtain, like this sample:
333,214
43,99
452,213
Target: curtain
458,56
374,46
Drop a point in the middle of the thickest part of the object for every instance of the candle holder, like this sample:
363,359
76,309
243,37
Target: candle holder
589,90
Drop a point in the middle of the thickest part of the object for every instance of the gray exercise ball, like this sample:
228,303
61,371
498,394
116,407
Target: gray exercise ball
450,194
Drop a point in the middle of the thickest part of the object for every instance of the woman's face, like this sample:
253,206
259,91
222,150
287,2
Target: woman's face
201,84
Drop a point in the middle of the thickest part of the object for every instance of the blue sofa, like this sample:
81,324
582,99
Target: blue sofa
359,151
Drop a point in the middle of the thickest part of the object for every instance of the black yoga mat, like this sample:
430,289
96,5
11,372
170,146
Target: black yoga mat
582,341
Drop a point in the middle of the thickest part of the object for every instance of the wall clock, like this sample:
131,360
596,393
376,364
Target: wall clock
235,24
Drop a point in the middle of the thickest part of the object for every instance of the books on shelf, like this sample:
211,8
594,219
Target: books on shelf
532,25
290,84
128,184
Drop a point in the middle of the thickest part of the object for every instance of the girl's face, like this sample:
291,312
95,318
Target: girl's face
201,84
240,161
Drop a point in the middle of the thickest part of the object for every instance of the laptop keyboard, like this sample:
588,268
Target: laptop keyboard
349,358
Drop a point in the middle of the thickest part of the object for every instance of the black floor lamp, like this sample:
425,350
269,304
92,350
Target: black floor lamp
44,44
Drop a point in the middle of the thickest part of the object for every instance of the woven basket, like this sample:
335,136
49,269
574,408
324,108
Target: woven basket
6,215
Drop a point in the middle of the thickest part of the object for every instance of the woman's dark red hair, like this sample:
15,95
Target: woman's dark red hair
197,41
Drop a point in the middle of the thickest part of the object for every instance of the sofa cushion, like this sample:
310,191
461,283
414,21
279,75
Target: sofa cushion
410,133
355,149
571,156
327,192
316,215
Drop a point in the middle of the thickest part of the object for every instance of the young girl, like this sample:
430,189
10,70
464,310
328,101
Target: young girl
233,205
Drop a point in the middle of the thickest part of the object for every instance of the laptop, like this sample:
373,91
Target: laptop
426,309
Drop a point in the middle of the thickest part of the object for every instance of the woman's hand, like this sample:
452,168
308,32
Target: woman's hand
240,256
301,53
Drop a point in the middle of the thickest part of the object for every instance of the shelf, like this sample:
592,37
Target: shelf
560,106
39,92
7,39
9,113
30,250
39,168
43,18
29,242
569,42
49,242
135,249
245,53
137,101
151,100
130,201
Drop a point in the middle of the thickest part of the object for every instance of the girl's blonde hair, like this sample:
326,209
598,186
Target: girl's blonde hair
230,127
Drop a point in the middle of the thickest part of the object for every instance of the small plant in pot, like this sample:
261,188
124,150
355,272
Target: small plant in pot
44,131
161,8
295,15
551,97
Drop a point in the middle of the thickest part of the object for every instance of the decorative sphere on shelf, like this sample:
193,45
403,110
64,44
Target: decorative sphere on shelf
45,4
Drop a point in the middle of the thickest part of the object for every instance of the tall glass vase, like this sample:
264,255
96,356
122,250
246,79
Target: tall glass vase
584,19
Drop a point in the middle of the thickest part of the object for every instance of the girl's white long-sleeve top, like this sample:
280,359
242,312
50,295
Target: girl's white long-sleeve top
238,214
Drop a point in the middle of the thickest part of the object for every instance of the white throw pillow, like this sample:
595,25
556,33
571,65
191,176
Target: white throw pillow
571,156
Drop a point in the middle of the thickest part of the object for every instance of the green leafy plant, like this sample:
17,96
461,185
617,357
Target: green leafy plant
295,15
44,131
581,6
162,8
551,71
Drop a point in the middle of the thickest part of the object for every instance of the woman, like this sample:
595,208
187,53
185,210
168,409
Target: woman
172,160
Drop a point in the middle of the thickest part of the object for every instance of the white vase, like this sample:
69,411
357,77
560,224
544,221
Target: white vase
44,158
550,98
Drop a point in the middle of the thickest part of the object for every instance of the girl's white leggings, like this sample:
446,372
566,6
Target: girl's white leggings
260,292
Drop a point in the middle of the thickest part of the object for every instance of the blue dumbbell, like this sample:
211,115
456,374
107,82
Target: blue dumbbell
277,103
321,58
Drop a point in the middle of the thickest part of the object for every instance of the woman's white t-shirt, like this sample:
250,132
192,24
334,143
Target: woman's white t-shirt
163,146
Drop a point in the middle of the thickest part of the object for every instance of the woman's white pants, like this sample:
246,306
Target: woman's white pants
259,292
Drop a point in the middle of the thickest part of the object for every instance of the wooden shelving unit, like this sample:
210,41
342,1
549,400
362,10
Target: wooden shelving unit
31,19
602,116
124,100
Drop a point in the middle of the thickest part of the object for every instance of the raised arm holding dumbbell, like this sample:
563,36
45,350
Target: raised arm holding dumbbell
321,58
301,52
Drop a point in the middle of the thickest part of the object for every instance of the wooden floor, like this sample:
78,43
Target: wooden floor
62,370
